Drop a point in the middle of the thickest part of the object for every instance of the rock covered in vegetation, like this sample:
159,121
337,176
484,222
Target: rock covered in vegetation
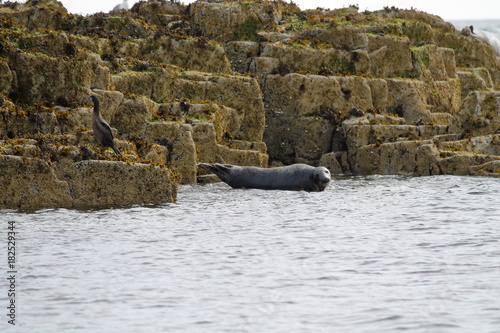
240,82
411,78
30,183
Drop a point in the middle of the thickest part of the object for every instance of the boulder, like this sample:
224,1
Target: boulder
241,54
6,77
389,57
251,157
348,37
443,96
232,152
193,53
407,99
293,58
490,169
158,12
295,95
29,183
463,164
487,145
379,94
105,183
37,14
41,77
132,116
479,114
18,122
412,158
433,63
474,79
331,162
470,52
227,21
239,93
178,139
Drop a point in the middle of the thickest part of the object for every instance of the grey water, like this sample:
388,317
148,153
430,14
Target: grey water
369,254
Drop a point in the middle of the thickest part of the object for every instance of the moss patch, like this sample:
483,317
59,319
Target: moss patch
247,30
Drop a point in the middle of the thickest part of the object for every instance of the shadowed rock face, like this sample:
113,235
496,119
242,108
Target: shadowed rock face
265,82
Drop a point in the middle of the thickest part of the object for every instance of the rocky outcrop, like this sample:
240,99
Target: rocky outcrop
251,83
372,92
97,183
226,21
479,114
30,183
171,98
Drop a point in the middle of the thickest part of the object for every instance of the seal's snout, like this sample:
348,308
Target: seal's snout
328,176
323,176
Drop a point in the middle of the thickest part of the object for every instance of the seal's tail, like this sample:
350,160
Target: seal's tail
215,168
204,166
221,170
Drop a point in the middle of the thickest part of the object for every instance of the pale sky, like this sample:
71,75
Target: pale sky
448,10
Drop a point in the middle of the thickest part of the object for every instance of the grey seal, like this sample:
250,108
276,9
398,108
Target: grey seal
102,131
291,177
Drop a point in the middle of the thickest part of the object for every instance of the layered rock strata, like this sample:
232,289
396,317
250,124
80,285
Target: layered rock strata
251,83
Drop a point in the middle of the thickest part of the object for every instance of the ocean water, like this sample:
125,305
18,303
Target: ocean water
369,254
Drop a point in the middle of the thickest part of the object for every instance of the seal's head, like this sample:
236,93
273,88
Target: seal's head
321,177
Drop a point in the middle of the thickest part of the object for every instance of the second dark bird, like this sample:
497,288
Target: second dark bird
102,131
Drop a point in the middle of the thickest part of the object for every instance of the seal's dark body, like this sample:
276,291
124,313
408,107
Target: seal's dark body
293,177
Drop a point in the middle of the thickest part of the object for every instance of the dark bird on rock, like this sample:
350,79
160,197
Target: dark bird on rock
102,131
185,106
356,112
419,122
